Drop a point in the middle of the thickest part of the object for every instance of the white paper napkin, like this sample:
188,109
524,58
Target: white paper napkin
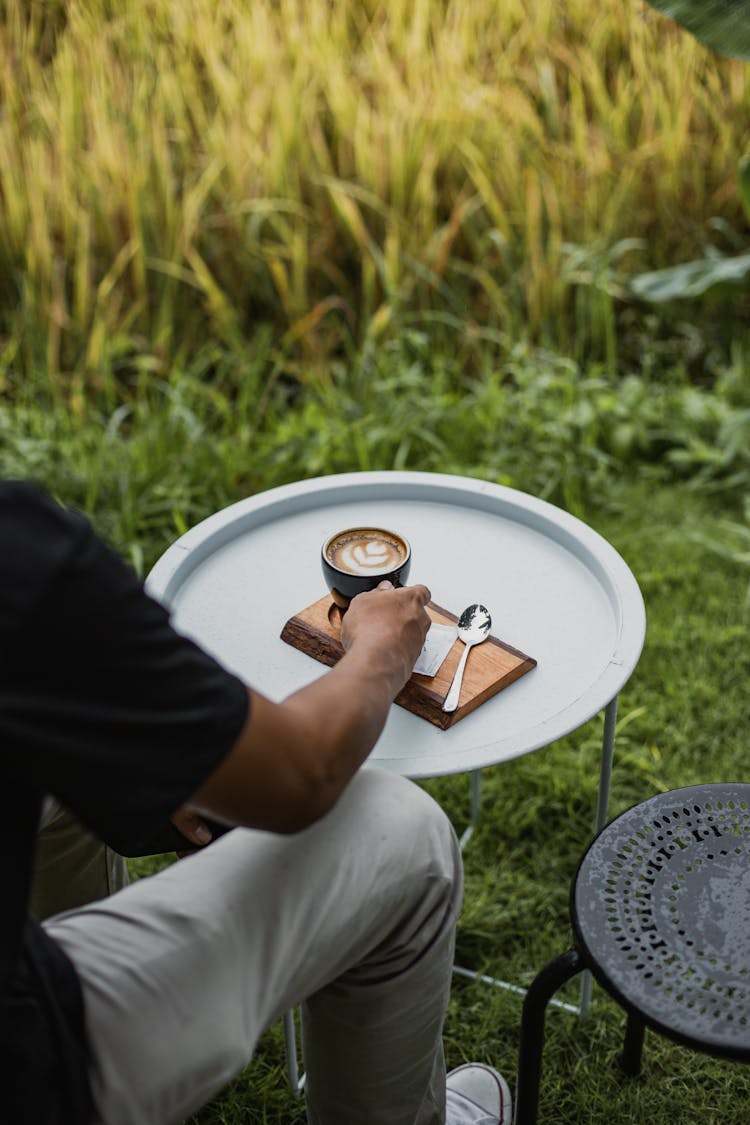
437,645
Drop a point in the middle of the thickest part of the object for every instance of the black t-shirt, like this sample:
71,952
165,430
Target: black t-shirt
105,706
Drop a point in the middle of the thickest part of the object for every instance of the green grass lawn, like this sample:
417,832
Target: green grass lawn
658,465
682,720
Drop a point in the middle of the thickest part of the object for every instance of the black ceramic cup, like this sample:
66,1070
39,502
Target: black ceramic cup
360,558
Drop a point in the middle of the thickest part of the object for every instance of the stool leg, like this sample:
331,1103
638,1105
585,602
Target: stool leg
630,1059
535,1002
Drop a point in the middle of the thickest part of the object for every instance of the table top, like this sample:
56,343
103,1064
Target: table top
555,588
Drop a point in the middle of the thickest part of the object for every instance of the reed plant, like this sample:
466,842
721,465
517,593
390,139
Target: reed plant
172,172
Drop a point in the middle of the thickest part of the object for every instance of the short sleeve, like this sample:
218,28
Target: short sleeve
102,702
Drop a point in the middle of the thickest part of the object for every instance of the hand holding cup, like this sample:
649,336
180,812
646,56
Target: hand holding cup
392,622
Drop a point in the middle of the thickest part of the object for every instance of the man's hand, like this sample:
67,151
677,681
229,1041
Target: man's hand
192,827
392,622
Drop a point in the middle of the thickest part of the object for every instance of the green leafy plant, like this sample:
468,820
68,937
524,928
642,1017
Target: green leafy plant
723,25
707,275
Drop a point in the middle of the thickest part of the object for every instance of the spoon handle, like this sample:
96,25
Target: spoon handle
451,699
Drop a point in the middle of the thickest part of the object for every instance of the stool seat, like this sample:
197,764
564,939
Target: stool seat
660,908
660,912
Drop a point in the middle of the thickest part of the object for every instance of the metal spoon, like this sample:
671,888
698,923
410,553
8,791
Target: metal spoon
473,627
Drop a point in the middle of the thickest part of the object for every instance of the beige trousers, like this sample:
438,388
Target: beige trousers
353,918
72,866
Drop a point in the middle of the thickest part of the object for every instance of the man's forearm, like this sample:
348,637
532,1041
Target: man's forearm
293,759
346,710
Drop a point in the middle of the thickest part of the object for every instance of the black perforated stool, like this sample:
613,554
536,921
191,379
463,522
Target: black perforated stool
660,911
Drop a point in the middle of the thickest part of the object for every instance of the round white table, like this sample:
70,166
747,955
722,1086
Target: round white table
555,588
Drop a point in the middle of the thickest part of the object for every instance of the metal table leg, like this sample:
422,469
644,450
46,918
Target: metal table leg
296,1083
475,803
605,770
475,798
605,780
602,803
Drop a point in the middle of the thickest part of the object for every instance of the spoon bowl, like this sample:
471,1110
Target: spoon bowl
473,628
474,624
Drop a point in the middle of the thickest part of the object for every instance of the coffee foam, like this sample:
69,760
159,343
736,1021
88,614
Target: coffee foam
366,552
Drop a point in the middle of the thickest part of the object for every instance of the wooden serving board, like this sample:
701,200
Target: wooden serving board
490,667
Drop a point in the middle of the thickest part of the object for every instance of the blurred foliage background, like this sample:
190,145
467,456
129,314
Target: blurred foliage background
236,236
176,172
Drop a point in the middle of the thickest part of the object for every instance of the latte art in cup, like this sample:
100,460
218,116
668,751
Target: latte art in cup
357,559
366,551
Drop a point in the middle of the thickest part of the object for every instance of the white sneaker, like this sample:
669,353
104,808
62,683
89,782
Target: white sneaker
477,1095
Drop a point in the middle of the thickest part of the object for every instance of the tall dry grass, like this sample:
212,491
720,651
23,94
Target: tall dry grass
172,172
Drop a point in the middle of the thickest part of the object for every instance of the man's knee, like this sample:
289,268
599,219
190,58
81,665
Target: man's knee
395,814
404,872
